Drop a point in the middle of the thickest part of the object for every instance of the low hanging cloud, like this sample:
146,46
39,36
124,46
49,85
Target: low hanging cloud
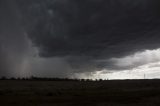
84,35
84,32
92,28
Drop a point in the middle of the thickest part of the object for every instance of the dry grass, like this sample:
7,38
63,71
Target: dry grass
72,93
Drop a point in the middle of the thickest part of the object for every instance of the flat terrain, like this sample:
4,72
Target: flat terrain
74,93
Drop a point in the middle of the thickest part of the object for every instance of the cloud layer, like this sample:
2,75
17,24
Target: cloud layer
86,31
86,34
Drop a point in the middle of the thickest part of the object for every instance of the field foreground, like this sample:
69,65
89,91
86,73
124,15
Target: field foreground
76,93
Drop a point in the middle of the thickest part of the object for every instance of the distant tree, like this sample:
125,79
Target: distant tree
82,80
100,79
12,78
3,78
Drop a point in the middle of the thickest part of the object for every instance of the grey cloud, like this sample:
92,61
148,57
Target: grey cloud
86,34
154,66
91,30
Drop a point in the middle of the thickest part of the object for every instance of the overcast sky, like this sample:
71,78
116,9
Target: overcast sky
80,38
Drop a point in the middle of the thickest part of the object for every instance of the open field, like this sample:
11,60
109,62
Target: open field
74,93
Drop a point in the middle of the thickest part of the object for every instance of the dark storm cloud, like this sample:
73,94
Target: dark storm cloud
75,35
88,32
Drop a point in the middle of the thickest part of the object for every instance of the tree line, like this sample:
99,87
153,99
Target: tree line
33,78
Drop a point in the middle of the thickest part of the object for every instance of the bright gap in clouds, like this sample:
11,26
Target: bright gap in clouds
137,66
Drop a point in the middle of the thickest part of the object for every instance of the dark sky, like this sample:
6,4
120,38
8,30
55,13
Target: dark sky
63,37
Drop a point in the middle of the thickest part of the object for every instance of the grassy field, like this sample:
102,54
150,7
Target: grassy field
74,93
